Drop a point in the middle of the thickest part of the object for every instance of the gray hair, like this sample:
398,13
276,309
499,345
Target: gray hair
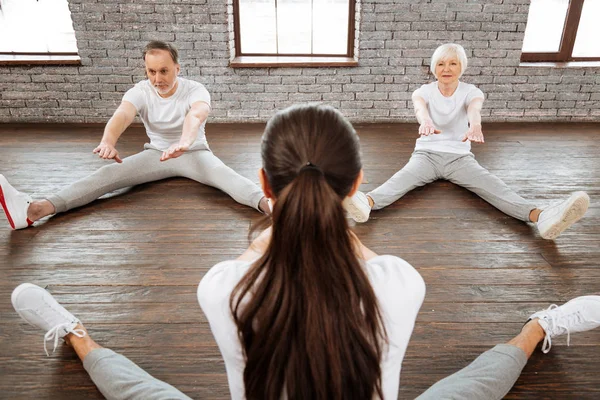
447,51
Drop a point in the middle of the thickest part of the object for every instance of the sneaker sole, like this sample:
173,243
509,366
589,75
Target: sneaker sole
579,203
354,212
4,206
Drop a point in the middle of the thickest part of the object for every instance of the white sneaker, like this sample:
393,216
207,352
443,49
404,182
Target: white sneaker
37,307
578,315
357,206
555,219
15,205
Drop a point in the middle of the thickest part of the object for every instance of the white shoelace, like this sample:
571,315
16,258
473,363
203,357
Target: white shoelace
53,334
554,327
547,345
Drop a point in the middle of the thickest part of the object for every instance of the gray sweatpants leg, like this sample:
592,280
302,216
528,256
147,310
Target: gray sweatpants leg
200,165
465,171
489,377
422,168
118,378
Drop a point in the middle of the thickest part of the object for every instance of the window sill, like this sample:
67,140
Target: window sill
557,64
275,61
39,59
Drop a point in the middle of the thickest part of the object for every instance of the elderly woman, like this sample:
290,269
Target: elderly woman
449,112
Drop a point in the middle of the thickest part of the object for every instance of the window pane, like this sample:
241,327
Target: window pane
257,26
36,27
545,25
294,26
330,26
588,33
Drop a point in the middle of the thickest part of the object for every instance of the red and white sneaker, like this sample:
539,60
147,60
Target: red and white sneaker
15,205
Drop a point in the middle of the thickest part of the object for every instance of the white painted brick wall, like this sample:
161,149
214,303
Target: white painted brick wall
395,37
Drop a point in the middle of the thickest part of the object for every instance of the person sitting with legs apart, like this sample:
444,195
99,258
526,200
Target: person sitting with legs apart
174,112
449,112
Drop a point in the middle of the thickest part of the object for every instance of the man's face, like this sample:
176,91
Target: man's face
162,71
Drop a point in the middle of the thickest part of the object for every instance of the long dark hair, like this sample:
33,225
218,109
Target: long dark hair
307,316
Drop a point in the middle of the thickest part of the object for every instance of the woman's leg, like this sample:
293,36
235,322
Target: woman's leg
466,172
421,169
494,373
116,376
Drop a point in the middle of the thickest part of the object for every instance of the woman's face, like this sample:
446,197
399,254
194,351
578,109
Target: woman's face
448,70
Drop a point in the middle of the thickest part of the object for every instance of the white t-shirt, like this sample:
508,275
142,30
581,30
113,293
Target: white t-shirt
163,118
398,287
449,114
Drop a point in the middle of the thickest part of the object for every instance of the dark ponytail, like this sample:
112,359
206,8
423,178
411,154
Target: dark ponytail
307,315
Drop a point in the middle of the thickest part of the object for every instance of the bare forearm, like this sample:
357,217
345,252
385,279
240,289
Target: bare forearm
421,111
114,128
191,125
474,116
474,112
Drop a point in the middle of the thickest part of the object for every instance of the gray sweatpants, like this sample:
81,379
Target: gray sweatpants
117,377
462,169
200,165
489,377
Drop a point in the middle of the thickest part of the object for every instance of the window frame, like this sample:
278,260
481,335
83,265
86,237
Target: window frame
40,58
293,60
567,41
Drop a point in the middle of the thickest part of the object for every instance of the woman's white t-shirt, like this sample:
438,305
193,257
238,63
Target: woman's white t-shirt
163,117
398,287
449,114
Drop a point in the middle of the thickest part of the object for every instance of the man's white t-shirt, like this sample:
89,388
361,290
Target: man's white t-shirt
449,114
163,118
399,289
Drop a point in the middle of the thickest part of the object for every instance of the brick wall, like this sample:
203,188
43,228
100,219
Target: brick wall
396,40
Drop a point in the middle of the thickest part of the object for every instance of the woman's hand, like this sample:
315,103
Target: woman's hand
427,128
474,134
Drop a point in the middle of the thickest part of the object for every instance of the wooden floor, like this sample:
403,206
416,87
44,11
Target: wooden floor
128,266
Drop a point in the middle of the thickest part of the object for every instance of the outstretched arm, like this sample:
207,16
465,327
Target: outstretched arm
121,119
474,134
426,127
194,118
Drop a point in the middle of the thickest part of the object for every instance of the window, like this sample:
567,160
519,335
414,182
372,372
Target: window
562,30
36,31
300,30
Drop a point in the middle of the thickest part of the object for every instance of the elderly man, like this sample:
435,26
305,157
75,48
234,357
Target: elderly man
174,111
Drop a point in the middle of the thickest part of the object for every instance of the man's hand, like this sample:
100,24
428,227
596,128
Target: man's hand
474,134
174,151
427,128
107,152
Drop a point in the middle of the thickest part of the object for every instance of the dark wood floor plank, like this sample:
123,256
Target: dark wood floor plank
129,264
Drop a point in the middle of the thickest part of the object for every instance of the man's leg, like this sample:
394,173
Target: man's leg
466,172
204,167
421,169
137,169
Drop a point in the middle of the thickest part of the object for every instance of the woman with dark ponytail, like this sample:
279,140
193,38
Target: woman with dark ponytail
307,312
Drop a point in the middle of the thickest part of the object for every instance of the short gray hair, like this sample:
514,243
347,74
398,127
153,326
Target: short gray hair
446,51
